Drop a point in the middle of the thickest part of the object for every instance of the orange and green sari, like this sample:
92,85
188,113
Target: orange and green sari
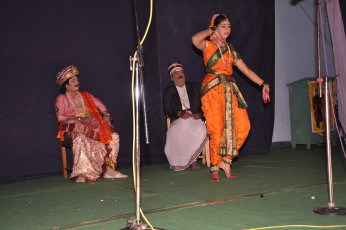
223,105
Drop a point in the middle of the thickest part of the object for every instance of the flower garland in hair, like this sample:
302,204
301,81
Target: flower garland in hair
212,20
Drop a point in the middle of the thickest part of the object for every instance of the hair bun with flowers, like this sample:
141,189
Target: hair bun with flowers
212,20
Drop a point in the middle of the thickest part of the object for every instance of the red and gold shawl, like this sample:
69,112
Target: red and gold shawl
104,134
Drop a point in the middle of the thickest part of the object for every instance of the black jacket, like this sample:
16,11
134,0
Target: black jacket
171,99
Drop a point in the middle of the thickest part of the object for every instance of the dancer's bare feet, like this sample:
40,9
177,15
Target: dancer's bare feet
215,176
227,169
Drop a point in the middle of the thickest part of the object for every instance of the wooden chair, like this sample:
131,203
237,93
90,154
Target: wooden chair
65,143
206,150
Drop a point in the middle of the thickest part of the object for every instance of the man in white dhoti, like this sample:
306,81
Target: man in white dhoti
187,134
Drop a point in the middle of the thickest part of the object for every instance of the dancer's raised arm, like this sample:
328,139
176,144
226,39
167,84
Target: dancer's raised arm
198,40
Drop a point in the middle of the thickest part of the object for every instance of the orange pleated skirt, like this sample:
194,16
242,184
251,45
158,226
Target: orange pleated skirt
213,106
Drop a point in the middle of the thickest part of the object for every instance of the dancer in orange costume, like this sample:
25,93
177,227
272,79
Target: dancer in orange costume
222,103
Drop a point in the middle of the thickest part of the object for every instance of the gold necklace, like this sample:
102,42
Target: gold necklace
229,52
79,104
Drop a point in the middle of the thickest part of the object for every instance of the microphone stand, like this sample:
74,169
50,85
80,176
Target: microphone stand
137,223
331,209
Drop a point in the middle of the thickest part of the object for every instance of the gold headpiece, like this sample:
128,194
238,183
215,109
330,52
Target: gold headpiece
66,73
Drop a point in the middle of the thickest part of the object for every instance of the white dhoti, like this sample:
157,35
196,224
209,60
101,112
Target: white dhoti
184,142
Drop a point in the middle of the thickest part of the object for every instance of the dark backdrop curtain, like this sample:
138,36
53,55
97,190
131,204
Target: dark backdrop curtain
343,12
39,37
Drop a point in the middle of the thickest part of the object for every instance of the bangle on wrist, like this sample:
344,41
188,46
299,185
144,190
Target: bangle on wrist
262,84
212,30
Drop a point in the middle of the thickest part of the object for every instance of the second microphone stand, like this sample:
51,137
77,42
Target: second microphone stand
331,209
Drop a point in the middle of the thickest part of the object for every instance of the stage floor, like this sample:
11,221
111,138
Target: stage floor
276,189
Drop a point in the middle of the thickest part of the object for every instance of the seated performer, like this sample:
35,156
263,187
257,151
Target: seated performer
187,134
95,144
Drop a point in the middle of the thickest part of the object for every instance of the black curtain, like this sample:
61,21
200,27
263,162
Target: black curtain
39,37
343,12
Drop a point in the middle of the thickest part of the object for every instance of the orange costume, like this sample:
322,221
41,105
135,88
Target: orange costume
223,105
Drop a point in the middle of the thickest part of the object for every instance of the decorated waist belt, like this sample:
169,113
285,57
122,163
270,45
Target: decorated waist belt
223,79
228,144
